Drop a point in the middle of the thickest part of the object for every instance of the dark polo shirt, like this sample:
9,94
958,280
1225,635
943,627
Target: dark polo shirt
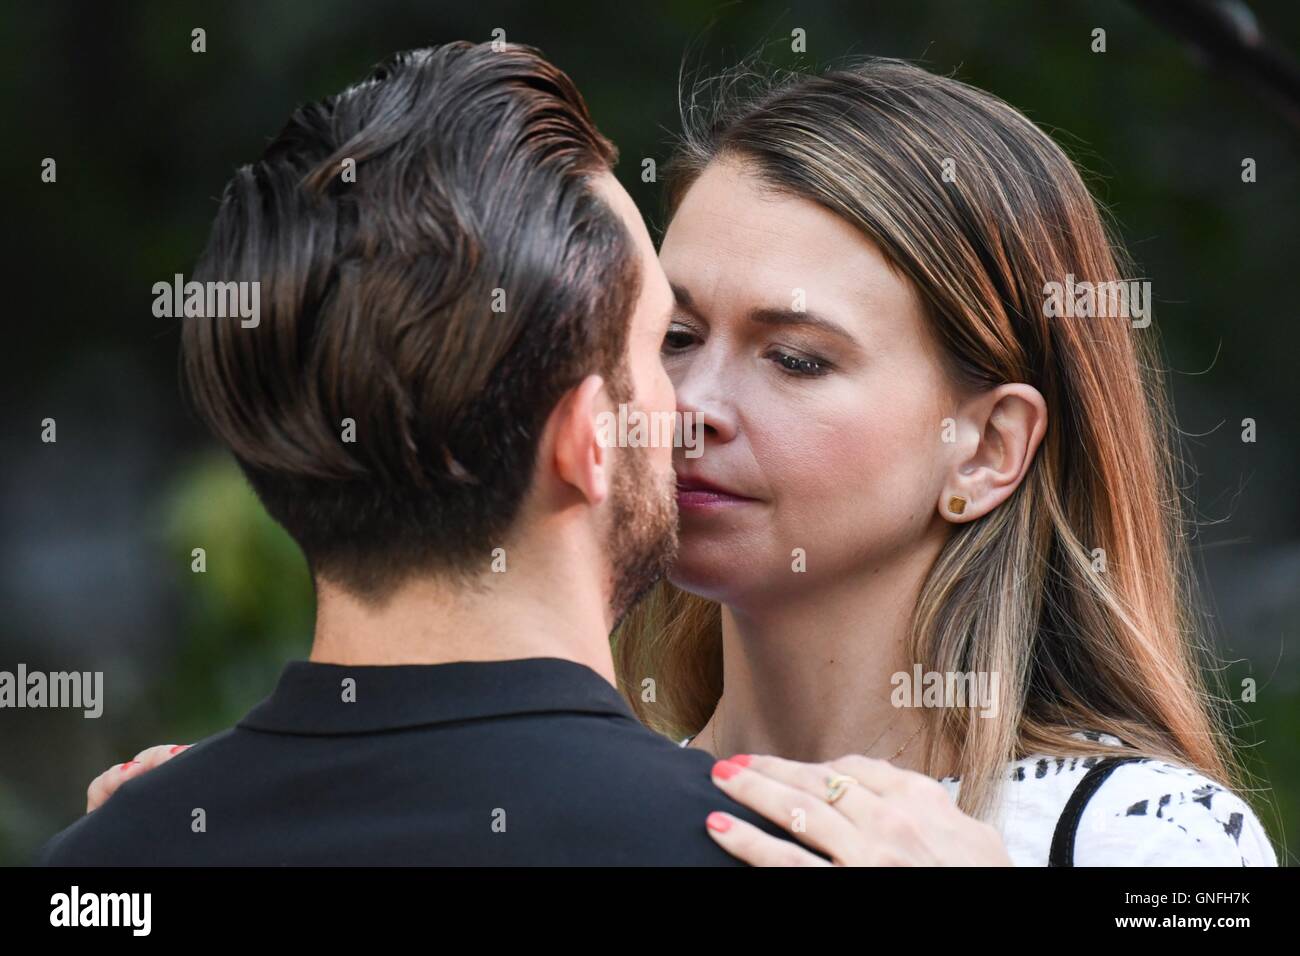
523,762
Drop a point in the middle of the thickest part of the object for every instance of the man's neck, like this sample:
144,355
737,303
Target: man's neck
507,616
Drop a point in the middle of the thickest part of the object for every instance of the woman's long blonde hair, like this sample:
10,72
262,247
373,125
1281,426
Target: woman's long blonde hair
979,209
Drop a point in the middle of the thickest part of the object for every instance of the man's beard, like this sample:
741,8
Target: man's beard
642,538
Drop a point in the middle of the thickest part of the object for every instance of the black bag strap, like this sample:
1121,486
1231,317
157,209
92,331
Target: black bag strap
1062,852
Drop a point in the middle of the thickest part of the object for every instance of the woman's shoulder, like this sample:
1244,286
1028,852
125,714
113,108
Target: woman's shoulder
1151,812
1146,812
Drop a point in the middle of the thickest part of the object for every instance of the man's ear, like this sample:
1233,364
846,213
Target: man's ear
999,433
580,457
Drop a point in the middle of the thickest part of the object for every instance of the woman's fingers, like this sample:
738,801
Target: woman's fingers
151,757
747,842
108,782
875,783
810,819
815,779
878,776
883,777
884,816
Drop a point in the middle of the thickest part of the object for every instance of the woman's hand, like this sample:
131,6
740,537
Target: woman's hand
106,784
889,817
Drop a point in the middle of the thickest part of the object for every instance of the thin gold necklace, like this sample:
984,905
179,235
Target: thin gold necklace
897,753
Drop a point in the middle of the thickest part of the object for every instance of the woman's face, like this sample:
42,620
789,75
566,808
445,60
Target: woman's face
821,390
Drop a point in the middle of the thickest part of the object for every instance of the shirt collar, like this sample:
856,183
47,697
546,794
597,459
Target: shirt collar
312,698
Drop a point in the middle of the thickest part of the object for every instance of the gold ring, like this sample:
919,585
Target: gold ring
836,785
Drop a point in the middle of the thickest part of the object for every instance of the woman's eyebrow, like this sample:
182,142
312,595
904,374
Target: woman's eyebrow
769,316
810,319
683,298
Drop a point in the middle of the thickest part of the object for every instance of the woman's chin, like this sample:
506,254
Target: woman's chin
714,577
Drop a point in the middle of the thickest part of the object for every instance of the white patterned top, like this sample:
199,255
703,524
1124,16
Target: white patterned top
1146,813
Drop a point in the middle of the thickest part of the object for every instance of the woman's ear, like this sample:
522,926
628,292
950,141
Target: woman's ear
999,432
580,458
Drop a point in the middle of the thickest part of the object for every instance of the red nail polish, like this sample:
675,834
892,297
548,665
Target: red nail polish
178,748
718,821
742,759
725,769
127,764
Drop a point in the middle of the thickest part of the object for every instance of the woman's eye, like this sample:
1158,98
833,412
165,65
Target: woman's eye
800,365
677,339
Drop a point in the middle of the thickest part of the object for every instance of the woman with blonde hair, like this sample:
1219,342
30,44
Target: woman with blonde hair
923,470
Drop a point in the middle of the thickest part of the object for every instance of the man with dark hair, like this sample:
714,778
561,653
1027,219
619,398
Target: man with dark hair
453,289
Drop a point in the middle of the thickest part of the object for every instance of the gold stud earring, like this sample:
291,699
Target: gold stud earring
956,504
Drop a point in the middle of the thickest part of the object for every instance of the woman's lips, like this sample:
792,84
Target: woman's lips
695,495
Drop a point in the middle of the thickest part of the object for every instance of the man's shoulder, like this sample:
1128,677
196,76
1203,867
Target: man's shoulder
123,830
572,788
655,794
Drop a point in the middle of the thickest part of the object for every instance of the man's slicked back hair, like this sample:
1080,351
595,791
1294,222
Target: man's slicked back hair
444,301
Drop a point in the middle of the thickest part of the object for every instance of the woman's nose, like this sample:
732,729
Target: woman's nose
706,405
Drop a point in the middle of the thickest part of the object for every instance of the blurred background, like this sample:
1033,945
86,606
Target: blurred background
96,529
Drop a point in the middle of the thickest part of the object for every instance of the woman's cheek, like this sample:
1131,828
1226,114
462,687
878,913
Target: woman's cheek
863,491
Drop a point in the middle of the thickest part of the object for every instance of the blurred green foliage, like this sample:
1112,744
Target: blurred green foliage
248,612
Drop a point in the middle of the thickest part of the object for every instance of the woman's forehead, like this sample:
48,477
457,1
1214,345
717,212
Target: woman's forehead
734,240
